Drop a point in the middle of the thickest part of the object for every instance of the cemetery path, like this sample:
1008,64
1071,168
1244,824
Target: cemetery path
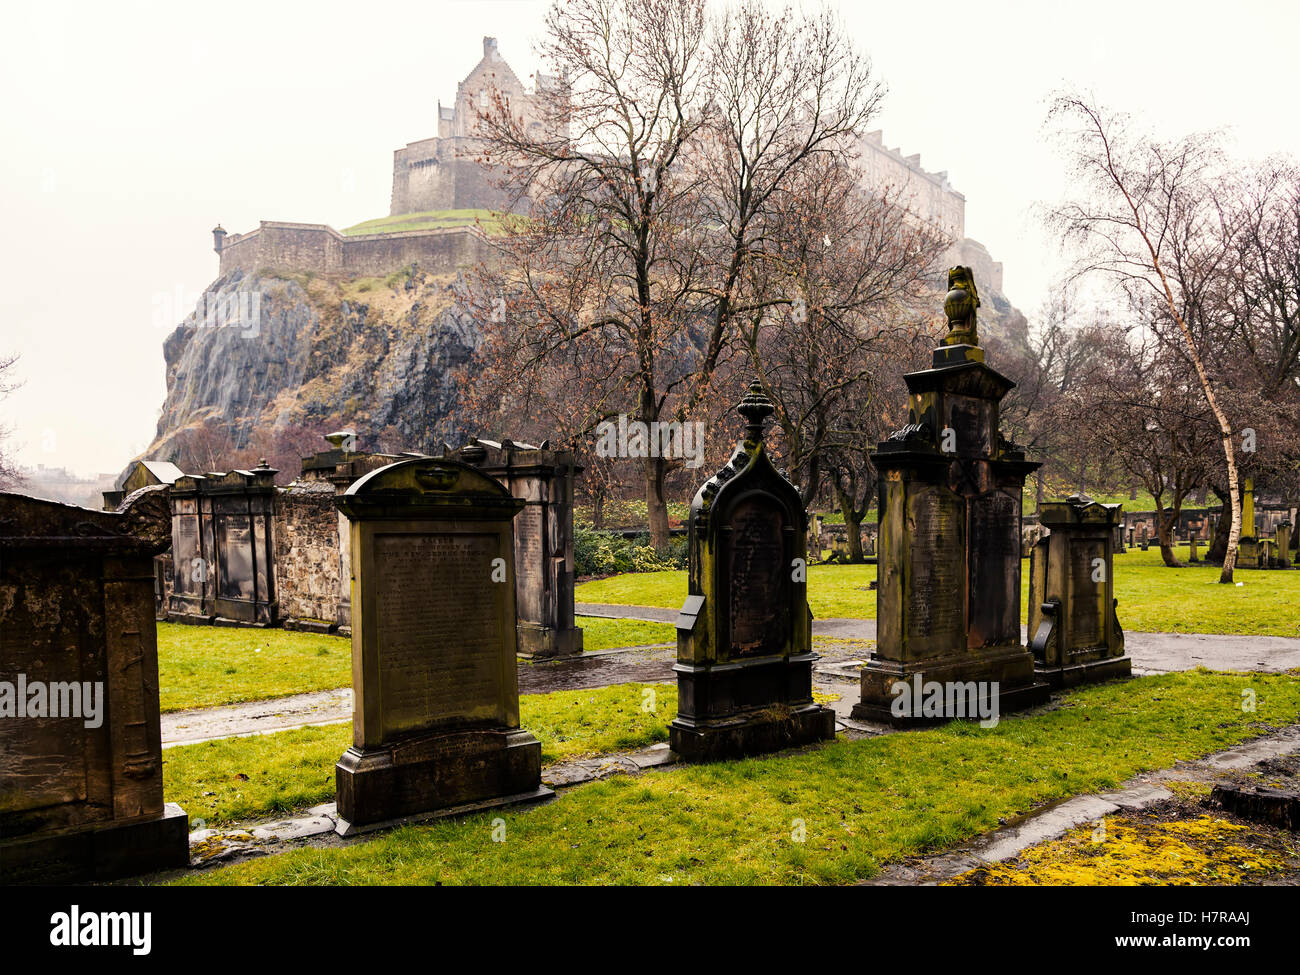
1152,653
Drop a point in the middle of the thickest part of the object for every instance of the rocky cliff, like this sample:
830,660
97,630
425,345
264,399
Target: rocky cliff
267,351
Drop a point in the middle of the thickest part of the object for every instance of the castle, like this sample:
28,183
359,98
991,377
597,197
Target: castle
443,173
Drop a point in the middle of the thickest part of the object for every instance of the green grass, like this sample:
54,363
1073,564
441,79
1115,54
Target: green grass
487,220
1152,597
205,666
1155,598
859,804
599,633
237,779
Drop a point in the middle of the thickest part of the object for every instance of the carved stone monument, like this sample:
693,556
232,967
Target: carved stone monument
949,497
436,697
1248,555
80,743
222,550
543,479
1284,545
744,636
1075,634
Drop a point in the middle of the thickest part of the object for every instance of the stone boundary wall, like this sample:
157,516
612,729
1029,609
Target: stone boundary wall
322,249
306,538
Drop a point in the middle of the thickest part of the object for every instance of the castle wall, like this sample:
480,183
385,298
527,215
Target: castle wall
323,250
431,249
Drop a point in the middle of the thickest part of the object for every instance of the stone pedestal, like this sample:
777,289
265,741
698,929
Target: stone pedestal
744,636
948,591
1075,634
436,699
543,479
80,742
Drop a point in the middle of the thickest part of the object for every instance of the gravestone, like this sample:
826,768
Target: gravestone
1076,636
949,496
1248,547
222,550
744,636
1284,545
80,742
435,717
1192,555
543,479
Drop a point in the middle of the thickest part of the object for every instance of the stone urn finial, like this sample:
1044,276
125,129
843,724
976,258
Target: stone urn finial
959,307
755,408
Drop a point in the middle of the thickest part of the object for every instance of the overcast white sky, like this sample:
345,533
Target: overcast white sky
130,129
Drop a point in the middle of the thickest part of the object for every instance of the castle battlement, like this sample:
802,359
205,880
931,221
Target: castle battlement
442,172
317,247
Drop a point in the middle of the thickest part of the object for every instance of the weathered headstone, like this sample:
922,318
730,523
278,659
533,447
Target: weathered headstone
1075,634
1284,545
435,691
1192,555
543,479
222,550
948,596
744,636
1248,547
80,742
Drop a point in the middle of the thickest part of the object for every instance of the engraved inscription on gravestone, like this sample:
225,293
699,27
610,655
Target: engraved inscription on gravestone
759,594
1085,611
995,566
934,596
438,623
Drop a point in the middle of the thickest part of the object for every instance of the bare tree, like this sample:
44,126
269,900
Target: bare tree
663,153
1141,203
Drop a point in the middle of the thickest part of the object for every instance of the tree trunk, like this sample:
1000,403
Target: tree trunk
852,524
1219,541
656,506
598,509
1038,491
1164,534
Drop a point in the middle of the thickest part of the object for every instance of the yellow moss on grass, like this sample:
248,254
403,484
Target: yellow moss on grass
1129,852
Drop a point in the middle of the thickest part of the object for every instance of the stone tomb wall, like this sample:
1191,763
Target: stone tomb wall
305,529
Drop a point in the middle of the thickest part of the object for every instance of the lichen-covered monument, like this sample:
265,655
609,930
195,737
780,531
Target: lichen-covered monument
949,497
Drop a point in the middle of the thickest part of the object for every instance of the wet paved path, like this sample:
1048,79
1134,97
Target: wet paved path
1152,653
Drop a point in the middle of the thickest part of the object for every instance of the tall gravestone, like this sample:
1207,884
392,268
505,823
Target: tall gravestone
1248,541
543,479
1075,633
435,690
744,636
80,743
949,501
1284,545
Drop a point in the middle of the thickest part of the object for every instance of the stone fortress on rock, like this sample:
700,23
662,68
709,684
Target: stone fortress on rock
441,176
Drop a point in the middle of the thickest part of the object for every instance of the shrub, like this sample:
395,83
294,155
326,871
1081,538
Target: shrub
600,553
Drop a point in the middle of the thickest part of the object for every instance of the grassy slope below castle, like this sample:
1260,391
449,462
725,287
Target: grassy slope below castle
486,220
